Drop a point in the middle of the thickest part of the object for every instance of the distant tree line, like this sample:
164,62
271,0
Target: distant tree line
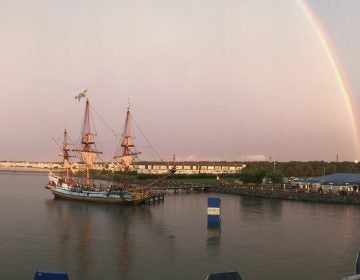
255,172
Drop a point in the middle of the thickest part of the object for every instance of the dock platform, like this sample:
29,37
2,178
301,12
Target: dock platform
155,197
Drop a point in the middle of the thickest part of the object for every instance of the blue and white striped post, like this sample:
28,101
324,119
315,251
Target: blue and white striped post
214,210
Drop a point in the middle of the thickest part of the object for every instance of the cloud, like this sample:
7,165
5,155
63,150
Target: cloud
188,158
253,158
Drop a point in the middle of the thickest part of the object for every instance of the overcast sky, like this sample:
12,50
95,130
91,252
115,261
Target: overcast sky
206,79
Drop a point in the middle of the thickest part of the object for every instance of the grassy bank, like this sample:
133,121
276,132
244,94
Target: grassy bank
195,179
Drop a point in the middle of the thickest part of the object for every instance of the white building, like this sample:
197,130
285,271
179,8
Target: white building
189,167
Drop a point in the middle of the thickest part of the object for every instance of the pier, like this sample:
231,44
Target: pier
160,191
282,193
155,197
187,188
261,191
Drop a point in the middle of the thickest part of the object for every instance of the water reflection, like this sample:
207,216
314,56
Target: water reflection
74,235
83,235
84,243
122,237
261,208
213,237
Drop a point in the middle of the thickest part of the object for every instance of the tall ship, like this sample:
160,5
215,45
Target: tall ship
65,184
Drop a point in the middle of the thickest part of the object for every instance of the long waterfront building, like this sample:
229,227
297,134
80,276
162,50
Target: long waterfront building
145,167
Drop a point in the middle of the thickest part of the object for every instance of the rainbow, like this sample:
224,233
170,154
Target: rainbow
337,69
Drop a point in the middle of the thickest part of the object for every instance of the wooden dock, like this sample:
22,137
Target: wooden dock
187,188
156,197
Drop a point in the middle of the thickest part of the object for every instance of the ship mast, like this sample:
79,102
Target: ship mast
65,154
127,145
88,154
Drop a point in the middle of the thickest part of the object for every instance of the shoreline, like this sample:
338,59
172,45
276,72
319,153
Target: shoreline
23,170
267,192
260,191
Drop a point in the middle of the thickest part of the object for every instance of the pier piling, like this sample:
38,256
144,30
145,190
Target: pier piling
214,210
157,197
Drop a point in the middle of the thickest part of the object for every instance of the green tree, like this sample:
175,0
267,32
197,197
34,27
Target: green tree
275,176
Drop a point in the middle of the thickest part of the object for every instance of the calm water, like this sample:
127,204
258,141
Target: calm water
262,239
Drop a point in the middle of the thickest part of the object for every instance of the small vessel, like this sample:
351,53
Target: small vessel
64,186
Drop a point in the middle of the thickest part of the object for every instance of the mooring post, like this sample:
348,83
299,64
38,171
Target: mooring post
214,210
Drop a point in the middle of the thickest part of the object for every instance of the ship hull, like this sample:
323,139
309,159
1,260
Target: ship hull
100,197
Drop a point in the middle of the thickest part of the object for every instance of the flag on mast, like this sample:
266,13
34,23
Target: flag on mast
81,95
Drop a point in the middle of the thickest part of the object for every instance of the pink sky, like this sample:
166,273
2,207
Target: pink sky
207,80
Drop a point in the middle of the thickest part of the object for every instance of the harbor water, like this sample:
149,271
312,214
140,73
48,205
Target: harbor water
260,238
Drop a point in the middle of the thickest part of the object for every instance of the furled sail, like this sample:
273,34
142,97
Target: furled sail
126,161
67,163
88,158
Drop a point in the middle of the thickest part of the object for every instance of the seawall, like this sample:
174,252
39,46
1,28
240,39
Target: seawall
276,192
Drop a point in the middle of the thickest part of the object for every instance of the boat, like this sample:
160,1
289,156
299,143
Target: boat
65,185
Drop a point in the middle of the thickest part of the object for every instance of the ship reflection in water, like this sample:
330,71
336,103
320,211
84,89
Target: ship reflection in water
83,239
